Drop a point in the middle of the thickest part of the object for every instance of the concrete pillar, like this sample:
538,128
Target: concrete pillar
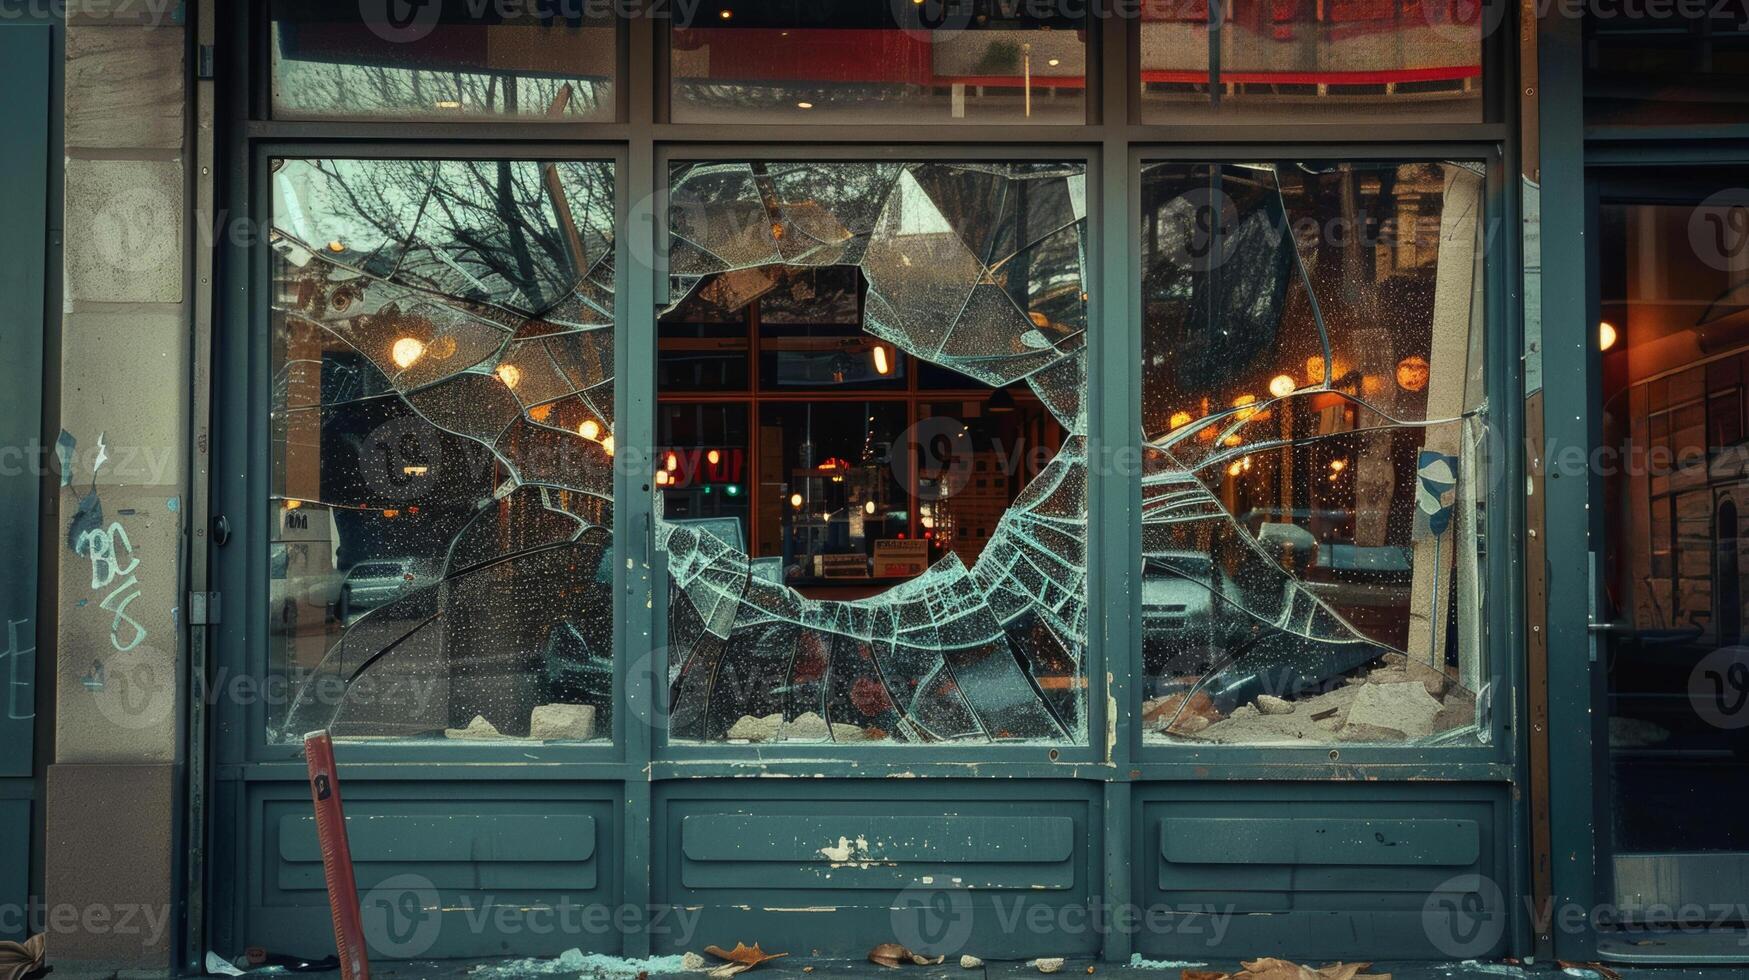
112,854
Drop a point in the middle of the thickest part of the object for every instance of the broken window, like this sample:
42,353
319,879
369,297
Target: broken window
441,436
443,61
871,480
1312,423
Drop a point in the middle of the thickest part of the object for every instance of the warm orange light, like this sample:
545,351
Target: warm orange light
1412,373
293,504
882,366
1233,470
661,478
1232,440
1179,420
590,429
1246,404
1315,370
391,513
1338,465
607,445
713,457
869,507
1282,386
795,500
406,351
508,374
673,462
337,247
1606,335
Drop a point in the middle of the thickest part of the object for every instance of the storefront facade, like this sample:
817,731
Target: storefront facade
1010,481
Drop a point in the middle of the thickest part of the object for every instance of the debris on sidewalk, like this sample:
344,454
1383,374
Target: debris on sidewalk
576,963
1048,964
741,959
1270,968
892,956
970,962
20,960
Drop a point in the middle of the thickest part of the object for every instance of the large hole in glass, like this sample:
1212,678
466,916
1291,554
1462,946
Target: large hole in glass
870,467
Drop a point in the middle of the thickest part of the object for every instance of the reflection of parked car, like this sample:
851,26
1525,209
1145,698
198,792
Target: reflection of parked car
370,584
1185,626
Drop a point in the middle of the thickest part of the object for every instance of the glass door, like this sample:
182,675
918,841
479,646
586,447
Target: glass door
1673,278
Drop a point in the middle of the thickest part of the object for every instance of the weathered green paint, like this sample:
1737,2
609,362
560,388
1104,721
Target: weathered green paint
27,76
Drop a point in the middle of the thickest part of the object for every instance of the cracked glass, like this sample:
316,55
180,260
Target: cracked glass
441,432
1313,426
872,482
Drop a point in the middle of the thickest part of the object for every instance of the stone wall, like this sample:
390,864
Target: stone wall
125,394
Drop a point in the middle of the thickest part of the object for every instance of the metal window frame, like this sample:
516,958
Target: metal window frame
1112,143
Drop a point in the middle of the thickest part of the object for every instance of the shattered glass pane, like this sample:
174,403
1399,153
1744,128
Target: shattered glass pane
1312,423
442,440
872,479
443,61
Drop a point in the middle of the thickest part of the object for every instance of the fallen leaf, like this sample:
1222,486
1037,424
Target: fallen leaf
1270,968
1341,971
18,960
921,960
729,970
890,955
1203,975
750,956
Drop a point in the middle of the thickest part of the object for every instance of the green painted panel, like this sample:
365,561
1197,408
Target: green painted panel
444,869
1311,840
1328,870
839,865
24,161
449,837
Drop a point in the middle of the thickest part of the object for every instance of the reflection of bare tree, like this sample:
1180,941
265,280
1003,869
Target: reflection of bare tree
310,88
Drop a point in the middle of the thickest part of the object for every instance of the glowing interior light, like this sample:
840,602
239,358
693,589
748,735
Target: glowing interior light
673,462
1412,373
508,374
1179,420
713,457
881,364
590,429
1606,335
1246,404
661,478
1282,386
795,500
406,351
607,445
869,507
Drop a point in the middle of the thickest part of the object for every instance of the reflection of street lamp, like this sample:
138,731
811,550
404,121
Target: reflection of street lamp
406,351
1026,68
